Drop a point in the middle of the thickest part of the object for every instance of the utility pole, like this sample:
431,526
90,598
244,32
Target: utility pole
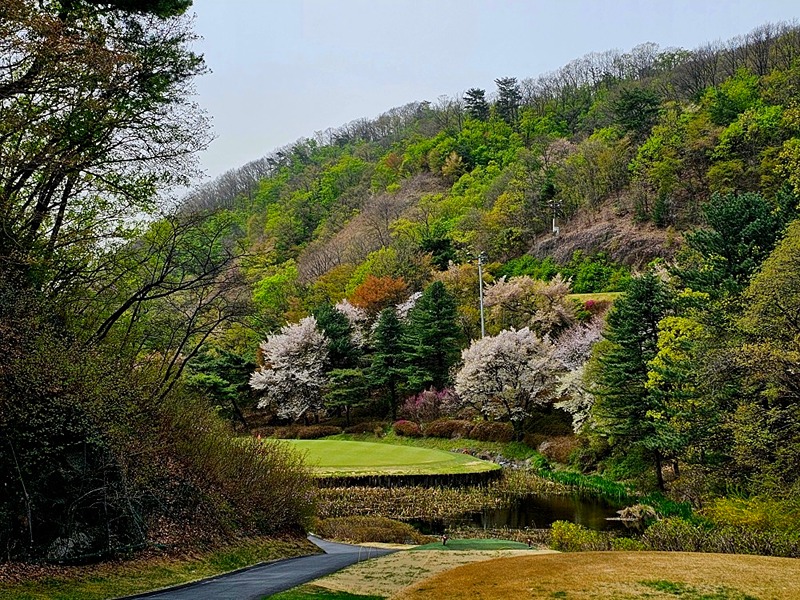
481,259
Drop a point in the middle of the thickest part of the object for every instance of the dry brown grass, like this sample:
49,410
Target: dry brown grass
388,575
619,575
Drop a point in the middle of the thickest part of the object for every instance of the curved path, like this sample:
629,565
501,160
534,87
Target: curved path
257,582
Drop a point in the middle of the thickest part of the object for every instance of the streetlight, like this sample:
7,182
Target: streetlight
481,259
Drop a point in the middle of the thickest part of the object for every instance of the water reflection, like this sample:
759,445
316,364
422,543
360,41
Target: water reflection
539,512
534,512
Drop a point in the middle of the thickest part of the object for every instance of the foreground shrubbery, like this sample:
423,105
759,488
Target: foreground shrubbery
363,529
680,535
97,459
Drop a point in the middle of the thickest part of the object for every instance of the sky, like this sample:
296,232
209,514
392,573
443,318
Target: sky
284,69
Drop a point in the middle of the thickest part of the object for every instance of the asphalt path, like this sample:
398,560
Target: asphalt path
262,580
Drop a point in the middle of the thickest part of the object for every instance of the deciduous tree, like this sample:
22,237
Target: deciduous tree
292,370
507,376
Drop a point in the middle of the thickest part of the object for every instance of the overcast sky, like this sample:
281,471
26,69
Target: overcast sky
283,69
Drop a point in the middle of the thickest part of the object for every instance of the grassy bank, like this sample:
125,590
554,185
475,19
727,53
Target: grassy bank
121,578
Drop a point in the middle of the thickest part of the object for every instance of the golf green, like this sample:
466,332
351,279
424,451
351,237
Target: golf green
344,458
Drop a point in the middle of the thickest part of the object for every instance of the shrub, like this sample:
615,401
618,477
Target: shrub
492,431
448,429
299,432
569,537
429,405
366,427
627,544
755,513
550,423
245,484
360,530
314,432
534,440
675,534
560,448
407,429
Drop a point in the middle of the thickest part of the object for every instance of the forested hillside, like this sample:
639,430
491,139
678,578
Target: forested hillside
338,278
679,167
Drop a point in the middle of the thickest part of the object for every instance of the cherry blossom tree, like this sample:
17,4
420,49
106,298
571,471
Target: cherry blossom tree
292,372
573,349
506,376
522,302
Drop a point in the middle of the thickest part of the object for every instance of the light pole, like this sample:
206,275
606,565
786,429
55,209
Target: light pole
481,259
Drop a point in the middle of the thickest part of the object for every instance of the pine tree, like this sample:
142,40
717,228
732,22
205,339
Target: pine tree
625,408
386,370
476,104
343,352
508,99
431,340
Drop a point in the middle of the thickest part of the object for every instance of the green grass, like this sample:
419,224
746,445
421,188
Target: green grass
596,296
313,592
687,592
331,457
111,580
472,544
511,450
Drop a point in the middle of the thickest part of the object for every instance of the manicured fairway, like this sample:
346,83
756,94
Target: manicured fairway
344,458
458,545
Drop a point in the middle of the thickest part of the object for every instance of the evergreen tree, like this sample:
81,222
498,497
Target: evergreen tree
476,104
386,370
625,408
741,231
345,390
343,352
508,99
346,385
431,340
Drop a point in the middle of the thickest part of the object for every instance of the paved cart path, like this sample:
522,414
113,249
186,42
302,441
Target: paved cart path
262,580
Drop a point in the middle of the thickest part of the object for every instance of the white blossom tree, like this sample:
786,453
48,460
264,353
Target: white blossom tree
292,375
359,321
507,375
574,346
573,349
542,306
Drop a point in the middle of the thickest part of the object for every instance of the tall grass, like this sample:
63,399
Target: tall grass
254,486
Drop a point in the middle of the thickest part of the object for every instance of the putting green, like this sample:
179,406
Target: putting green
344,458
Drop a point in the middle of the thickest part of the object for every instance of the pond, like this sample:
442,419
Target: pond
535,512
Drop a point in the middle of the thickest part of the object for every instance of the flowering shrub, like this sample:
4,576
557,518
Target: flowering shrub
407,428
430,405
